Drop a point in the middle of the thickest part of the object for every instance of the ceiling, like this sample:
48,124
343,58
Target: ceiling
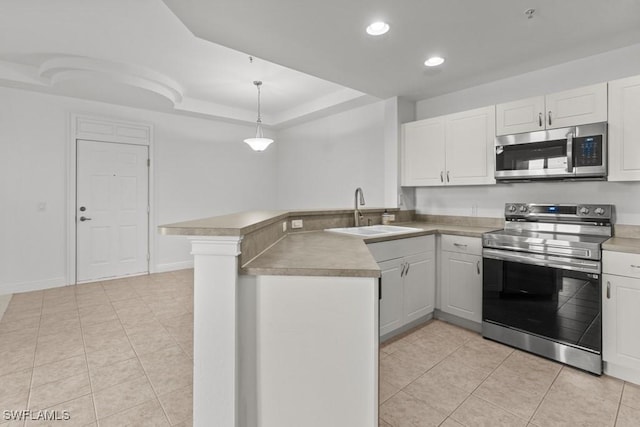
192,56
138,53
482,41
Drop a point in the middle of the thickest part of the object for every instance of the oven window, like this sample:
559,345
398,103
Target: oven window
535,156
558,304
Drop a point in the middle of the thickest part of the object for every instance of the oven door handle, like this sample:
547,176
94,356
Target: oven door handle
562,263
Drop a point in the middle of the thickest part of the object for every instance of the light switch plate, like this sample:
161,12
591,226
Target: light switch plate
296,223
284,226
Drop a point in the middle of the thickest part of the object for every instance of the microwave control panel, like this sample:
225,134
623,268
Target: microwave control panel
588,151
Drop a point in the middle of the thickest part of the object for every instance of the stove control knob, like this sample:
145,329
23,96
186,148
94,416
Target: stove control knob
523,208
584,210
512,208
599,211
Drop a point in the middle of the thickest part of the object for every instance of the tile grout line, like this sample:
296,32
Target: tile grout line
624,386
545,394
86,358
35,352
425,372
138,356
478,386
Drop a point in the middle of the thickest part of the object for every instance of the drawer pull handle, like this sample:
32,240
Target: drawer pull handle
478,266
459,245
635,266
608,290
402,271
441,178
408,267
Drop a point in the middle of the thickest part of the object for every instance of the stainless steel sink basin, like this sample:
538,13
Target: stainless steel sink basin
373,230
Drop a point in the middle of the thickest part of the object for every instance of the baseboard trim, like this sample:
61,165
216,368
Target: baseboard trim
173,266
622,372
458,321
411,325
37,285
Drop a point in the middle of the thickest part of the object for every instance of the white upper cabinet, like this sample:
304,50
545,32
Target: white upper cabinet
525,115
469,147
573,107
423,152
456,149
577,106
624,129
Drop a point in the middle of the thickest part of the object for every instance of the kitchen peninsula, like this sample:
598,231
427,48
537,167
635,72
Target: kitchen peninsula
286,320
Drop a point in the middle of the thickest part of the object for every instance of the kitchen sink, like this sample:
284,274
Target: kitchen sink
374,230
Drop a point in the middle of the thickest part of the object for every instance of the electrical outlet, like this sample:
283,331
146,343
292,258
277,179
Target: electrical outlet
284,227
296,223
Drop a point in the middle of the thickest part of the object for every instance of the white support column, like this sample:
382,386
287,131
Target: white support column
215,390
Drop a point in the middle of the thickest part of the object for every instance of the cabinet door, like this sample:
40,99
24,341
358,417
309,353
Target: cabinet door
422,152
577,106
525,115
391,315
419,286
620,320
470,137
461,285
624,129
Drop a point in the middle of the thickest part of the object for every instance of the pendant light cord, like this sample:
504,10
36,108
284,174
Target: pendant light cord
258,84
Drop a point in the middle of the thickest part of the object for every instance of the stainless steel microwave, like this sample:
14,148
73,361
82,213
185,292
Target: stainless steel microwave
575,152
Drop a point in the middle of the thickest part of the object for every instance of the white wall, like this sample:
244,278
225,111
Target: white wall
321,163
490,200
202,168
611,65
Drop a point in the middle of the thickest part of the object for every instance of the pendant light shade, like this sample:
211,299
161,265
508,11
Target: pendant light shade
259,143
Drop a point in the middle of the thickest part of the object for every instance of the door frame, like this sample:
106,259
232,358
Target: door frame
102,129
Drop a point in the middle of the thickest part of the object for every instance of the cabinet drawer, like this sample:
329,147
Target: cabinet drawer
399,248
621,264
462,244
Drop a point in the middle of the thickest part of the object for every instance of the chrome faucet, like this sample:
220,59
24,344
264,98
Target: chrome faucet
356,213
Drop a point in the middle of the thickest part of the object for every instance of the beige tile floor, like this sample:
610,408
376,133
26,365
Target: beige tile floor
442,375
120,353
113,353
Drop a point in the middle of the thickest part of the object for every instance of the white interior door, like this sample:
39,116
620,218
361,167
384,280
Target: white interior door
111,210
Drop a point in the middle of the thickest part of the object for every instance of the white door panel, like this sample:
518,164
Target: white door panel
423,152
112,187
525,115
577,106
392,295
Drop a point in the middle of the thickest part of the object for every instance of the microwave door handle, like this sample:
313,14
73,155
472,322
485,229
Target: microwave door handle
570,152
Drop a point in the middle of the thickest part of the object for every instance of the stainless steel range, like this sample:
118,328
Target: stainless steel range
542,281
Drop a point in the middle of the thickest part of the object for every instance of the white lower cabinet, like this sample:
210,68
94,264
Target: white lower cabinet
392,296
408,280
621,315
460,287
419,285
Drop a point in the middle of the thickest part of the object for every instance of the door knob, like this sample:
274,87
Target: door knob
84,218
82,209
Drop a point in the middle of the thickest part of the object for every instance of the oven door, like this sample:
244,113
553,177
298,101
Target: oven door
551,297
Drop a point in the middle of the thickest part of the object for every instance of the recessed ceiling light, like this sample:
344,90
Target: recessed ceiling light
434,61
377,28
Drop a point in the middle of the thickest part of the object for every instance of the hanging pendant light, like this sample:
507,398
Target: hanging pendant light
259,143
